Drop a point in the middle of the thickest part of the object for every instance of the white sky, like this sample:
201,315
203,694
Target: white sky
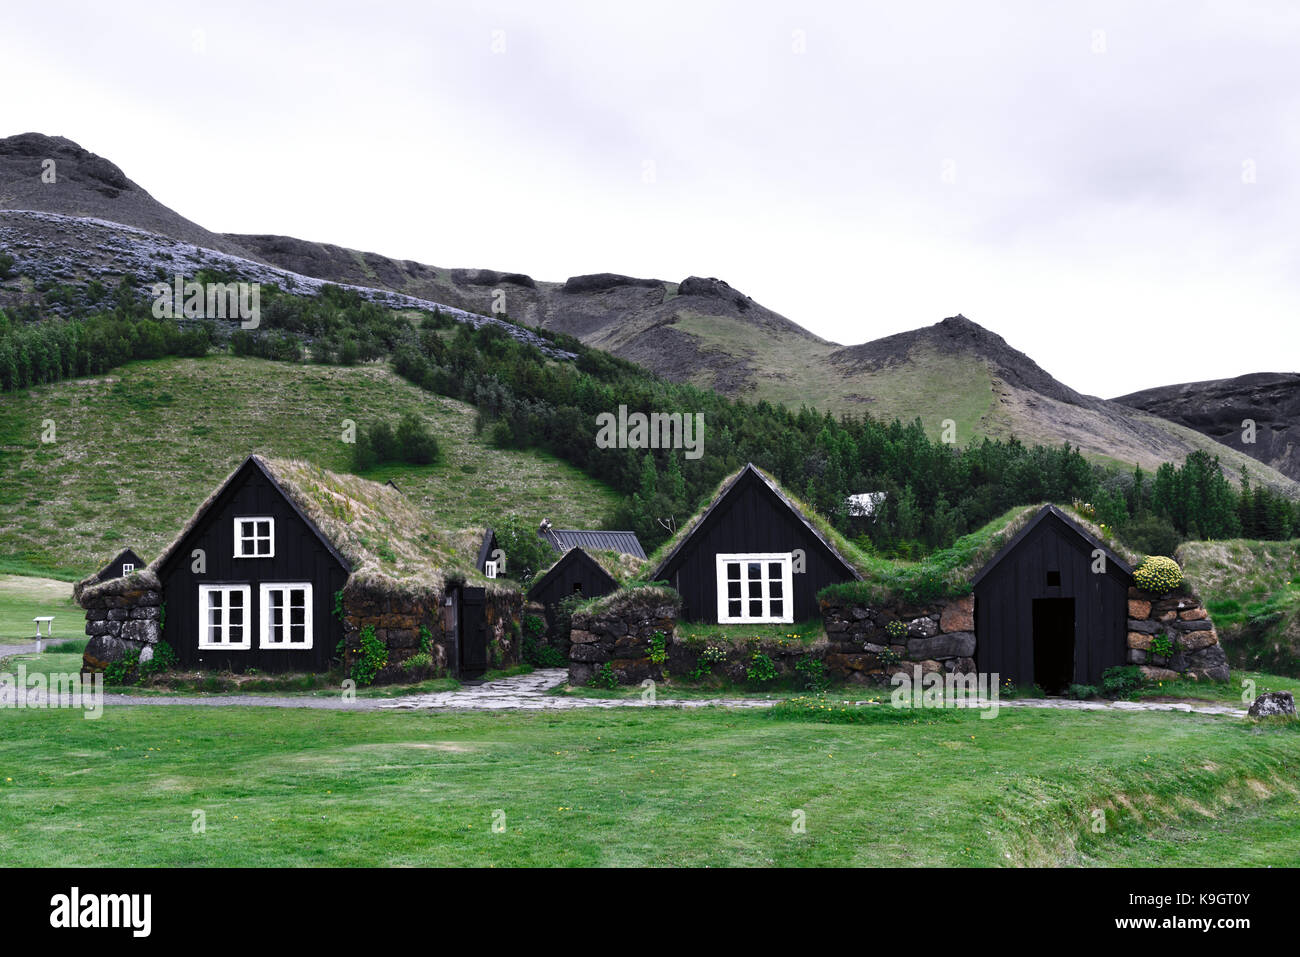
1096,214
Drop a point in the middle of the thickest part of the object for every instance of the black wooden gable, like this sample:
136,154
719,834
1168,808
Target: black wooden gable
575,568
251,469
752,481
1055,520
113,569
486,549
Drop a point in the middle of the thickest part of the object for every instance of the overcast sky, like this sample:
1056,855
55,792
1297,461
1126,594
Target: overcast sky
1112,187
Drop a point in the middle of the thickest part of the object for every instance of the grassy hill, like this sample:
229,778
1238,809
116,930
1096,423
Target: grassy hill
135,452
1252,591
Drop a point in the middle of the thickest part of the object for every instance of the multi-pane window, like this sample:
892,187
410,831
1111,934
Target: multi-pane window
755,588
254,537
286,615
223,617
127,568
490,569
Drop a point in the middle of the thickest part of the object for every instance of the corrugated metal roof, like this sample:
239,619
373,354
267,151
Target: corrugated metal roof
563,539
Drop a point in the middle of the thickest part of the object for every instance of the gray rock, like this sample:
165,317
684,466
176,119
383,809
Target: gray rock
119,614
105,627
956,644
146,632
1271,703
1145,626
1203,624
146,613
922,628
146,654
588,653
1136,656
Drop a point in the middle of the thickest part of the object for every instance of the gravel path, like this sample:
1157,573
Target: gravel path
530,692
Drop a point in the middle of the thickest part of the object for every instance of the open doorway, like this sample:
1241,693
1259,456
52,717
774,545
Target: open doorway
1054,644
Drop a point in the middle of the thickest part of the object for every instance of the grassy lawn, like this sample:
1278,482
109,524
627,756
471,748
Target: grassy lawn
131,463
23,598
656,787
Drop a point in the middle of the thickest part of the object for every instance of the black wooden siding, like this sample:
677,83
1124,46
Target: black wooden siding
300,556
114,568
750,517
1004,600
576,567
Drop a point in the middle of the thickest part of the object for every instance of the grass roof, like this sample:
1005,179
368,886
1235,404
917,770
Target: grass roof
391,544
620,566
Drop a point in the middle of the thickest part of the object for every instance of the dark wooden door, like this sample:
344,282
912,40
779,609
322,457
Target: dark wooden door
472,638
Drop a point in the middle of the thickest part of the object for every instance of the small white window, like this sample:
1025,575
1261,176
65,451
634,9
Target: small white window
286,616
223,617
254,537
127,568
755,588
490,569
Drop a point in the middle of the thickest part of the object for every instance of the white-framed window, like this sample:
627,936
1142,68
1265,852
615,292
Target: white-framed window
255,537
756,588
223,617
127,568
490,569
286,616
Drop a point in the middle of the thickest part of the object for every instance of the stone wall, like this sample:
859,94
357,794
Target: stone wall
619,631
1182,618
123,615
400,621
939,637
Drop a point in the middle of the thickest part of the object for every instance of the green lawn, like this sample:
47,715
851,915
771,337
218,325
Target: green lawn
23,598
138,450
656,787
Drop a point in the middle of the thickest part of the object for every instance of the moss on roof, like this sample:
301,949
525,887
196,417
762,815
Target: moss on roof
390,543
620,566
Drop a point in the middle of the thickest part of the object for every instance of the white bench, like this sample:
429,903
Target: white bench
49,629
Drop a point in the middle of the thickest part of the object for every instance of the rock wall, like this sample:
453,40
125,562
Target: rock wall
619,632
860,648
123,615
1195,650
405,622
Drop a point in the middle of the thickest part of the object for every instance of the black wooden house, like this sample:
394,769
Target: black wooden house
123,563
576,573
751,557
1051,606
251,581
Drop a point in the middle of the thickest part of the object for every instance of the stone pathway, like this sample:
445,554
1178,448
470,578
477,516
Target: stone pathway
529,693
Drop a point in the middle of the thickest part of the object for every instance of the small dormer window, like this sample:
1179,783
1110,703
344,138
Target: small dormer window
254,537
490,569
1053,579
128,568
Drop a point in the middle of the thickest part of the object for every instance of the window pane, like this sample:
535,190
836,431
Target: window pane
236,616
774,588
755,609
733,609
755,589
733,589
777,607
236,599
774,570
755,570
733,570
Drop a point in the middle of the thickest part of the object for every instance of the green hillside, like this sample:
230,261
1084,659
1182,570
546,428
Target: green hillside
136,451
1252,591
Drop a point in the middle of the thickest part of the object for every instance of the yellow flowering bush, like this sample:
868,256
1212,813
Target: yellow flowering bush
1158,574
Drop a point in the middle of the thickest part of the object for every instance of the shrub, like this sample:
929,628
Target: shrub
1152,535
604,677
164,659
124,670
1162,645
6,266
1082,692
1158,575
371,658
1121,680
813,672
421,659
896,630
761,669
658,648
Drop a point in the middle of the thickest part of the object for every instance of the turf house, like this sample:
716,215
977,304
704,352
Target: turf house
123,563
288,567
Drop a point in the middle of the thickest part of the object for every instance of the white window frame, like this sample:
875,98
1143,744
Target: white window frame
240,537
490,569
787,590
204,642
264,639
127,568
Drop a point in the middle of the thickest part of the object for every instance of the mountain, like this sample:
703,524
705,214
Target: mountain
1219,407
90,186
699,330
